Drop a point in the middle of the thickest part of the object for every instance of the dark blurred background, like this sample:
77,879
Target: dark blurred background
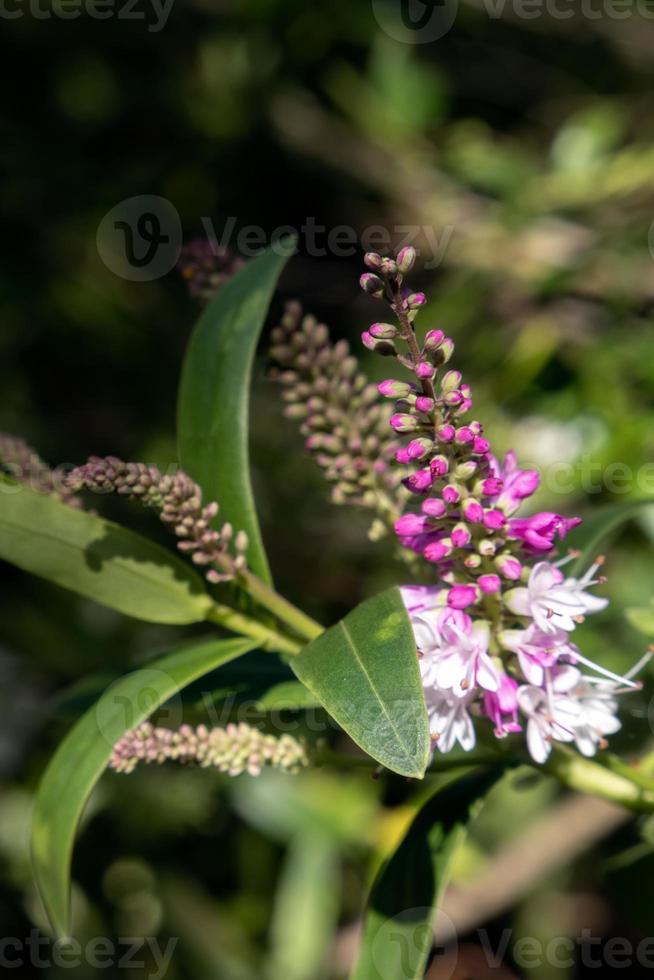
521,142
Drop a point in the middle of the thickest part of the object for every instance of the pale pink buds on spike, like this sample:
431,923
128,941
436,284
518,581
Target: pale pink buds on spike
368,340
446,433
433,507
486,547
472,511
404,423
388,267
406,258
463,471
461,596
415,300
384,347
373,260
439,465
472,561
489,584
419,448
434,339
446,349
383,331
460,536
476,427
509,567
394,389
409,524
371,284
425,371
494,520
424,404
451,495
451,380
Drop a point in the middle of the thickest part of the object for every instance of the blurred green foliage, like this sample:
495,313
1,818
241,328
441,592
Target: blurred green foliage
525,148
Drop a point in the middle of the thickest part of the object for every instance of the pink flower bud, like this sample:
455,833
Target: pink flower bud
425,370
424,404
409,524
451,380
419,448
434,339
460,536
415,300
480,446
446,433
419,482
476,427
472,561
394,389
439,465
402,455
433,507
452,398
464,435
436,551
373,260
494,520
383,331
472,511
446,349
406,258
368,340
371,284
509,567
492,486
389,267
461,596
451,495
404,423
489,584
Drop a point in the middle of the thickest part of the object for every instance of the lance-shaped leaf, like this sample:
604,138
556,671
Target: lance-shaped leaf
400,922
599,527
98,559
365,672
214,395
82,757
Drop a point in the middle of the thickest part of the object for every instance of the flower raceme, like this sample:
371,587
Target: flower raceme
494,633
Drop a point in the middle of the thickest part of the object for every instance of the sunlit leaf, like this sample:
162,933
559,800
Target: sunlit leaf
82,757
98,559
214,395
365,672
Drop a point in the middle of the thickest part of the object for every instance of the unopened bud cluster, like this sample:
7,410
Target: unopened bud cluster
206,266
342,417
235,749
179,502
23,464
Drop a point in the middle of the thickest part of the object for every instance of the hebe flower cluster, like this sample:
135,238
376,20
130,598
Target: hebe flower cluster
206,266
179,502
342,418
235,749
23,464
494,632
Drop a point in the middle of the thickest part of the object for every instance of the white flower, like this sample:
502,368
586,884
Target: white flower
463,662
551,711
555,602
536,650
449,721
597,717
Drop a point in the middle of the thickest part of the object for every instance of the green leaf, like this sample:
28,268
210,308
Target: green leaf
398,927
98,559
365,672
642,619
82,757
602,524
214,394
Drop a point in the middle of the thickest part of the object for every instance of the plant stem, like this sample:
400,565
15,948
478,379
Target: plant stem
585,776
302,624
270,639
